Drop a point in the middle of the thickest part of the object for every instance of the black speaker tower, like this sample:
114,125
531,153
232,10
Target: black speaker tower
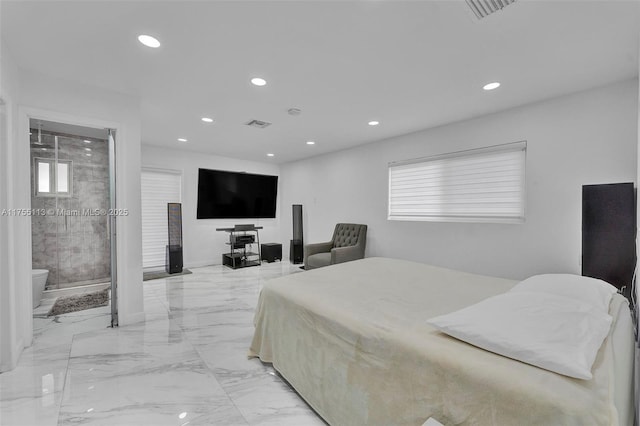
296,247
608,233
173,257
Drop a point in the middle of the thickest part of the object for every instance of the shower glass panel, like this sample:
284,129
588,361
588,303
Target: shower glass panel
70,179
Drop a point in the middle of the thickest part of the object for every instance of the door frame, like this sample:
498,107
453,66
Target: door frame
113,246
25,115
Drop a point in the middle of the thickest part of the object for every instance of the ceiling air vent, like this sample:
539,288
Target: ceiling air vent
484,8
258,124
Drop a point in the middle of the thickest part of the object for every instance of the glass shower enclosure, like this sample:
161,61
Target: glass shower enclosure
70,200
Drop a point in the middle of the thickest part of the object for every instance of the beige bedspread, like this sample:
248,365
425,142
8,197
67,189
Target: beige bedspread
353,341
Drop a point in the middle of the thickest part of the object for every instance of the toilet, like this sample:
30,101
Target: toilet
38,281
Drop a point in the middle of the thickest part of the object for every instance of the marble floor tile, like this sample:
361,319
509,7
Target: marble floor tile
185,365
31,394
147,374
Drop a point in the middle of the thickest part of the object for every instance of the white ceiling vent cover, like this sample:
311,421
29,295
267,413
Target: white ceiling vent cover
258,124
484,8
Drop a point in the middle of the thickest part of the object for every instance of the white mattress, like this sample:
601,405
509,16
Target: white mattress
352,339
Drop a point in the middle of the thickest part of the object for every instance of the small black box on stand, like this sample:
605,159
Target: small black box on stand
271,252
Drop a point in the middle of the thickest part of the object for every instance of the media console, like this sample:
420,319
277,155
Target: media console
242,238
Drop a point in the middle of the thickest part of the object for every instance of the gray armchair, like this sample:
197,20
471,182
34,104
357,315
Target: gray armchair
348,243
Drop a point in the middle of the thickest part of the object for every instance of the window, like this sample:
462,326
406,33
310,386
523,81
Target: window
51,179
158,187
480,185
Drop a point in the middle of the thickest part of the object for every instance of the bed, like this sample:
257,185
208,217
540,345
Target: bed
353,340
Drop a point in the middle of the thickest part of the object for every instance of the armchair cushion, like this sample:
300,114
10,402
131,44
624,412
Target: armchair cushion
318,260
311,249
345,254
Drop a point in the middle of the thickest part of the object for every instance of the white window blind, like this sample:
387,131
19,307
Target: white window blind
158,188
481,185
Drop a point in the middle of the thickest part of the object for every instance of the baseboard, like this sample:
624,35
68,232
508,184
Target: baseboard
201,264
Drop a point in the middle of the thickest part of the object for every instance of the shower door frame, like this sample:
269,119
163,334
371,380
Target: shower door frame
112,226
27,114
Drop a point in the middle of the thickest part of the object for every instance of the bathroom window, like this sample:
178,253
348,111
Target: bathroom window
53,178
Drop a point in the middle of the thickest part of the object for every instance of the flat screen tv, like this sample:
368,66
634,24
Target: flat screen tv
234,195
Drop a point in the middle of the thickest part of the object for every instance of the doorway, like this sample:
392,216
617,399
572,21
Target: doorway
72,199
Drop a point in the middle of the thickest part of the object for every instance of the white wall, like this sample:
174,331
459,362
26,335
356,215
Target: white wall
16,328
203,245
585,138
67,102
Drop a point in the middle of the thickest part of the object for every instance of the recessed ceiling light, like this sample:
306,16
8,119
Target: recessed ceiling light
491,86
311,143
87,141
257,81
88,155
207,119
182,140
87,149
149,41
374,123
270,155
44,149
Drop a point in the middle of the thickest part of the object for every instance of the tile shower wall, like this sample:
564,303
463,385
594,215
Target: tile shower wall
72,246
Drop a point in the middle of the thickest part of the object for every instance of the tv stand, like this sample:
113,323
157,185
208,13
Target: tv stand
242,239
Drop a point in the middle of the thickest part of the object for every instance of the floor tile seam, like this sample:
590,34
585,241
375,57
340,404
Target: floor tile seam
224,388
212,373
80,333
196,347
185,338
157,299
66,378
25,398
153,294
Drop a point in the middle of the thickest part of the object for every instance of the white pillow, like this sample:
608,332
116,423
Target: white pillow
586,289
549,331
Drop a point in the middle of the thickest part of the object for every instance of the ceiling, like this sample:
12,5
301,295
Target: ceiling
409,64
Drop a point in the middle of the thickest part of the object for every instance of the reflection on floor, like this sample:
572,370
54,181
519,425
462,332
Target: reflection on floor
186,364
